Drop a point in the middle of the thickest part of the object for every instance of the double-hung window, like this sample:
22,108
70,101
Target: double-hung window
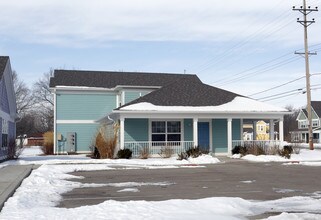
166,131
4,133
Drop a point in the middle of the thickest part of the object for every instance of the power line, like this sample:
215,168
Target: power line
274,66
209,62
278,86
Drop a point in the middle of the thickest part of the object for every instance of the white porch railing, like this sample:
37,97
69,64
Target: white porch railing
257,143
155,147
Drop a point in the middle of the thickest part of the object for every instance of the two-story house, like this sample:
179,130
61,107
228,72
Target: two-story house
301,134
151,110
7,108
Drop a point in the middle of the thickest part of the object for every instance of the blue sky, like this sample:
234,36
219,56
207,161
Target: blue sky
245,48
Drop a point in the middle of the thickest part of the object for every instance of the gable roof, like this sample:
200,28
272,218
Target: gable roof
316,105
109,79
187,92
3,63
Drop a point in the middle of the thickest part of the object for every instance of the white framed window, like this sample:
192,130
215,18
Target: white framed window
4,130
303,124
315,123
164,131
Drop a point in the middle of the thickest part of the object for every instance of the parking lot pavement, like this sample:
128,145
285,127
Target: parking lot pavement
254,181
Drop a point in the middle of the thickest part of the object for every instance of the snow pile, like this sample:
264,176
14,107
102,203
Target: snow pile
41,191
305,157
30,156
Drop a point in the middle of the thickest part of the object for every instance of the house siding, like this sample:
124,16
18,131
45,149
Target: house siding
2,153
136,130
85,135
84,106
188,129
132,95
4,99
236,129
219,134
302,116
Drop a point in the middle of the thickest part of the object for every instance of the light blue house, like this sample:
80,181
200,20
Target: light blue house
152,110
7,108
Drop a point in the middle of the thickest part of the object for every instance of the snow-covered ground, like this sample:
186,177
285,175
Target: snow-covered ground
32,155
38,195
305,157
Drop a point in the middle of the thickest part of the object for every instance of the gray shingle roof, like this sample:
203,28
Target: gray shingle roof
111,79
187,92
317,107
3,63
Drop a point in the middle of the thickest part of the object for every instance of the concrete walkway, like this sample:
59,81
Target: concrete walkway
10,179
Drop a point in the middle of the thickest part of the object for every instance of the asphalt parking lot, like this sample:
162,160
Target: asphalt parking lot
254,181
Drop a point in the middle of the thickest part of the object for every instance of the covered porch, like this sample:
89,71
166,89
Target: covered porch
213,133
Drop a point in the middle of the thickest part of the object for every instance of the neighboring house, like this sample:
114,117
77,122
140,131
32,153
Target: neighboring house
301,134
262,131
151,110
7,107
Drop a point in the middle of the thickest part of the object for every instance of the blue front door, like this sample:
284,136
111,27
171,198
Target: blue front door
204,135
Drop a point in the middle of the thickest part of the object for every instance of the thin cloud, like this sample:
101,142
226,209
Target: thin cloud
84,22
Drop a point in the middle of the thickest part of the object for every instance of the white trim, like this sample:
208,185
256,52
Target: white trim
137,87
6,116
157,119
77,122
200,115
117,100
122,133
281,127
123,98
55,122
195,131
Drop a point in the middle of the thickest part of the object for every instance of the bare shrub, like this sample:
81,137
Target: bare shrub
48,143
273,150
144,153
255,150
14,150
296,148
166,152
106,148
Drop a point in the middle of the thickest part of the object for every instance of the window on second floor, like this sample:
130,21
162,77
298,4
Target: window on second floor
303,124
315,123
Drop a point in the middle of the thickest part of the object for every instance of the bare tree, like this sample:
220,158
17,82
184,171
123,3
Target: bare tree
42,93
23,94
44,102
290,122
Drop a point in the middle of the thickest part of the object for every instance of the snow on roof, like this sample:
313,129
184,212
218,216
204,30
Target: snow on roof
238,104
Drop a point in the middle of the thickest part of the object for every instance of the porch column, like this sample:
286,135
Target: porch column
271,130
241,129
254,130
281,135
229,136
195,131
122,133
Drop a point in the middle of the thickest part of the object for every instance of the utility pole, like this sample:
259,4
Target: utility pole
305,11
